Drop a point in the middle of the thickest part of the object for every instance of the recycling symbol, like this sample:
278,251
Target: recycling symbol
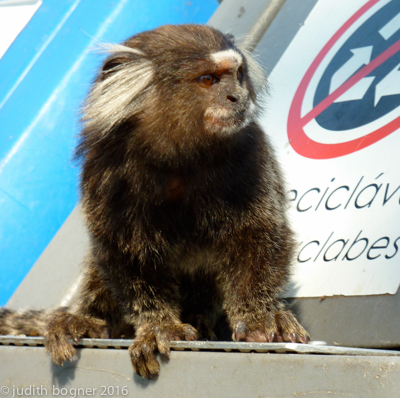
349,97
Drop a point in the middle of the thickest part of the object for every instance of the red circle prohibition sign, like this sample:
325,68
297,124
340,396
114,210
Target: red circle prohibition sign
298,139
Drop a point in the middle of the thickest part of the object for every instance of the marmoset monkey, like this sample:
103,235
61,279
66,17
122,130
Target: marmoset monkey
184,201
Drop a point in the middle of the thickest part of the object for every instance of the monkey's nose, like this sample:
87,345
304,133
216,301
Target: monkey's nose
231,98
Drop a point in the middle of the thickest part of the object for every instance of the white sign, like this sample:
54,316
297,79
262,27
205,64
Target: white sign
14,15
334,118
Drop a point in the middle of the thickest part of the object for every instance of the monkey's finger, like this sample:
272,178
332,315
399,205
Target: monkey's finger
74,334
138,363
304,338
258,336
86,326
190,332
271,328
144,364
64,355
139,366
243,333
162,341
240,332
290,328
75,327
59,347
289,337
151,362
174,332
98,331
270,337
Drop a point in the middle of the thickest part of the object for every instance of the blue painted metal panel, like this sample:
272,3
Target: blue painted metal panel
45,75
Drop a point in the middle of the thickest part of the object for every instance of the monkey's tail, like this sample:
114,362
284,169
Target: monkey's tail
28,323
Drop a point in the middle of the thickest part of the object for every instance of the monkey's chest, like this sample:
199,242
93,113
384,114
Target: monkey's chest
175,189
193,259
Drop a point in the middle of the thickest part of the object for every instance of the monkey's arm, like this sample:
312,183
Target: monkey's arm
259,252
256,270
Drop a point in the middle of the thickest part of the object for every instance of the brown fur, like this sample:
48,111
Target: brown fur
184,201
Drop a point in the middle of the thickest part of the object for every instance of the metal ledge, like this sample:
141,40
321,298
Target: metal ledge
206,373
315,347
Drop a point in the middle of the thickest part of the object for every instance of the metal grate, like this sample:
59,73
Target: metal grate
227,346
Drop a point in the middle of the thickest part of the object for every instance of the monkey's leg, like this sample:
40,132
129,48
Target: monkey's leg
92,318
278,326
252,280
151,338
270,324
155,312
202,303
63,325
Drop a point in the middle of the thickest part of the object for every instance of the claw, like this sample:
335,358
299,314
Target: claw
241,331
190,333
304,338
271,337
289,337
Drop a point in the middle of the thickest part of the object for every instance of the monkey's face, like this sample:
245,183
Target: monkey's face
223,89
176,90
201,83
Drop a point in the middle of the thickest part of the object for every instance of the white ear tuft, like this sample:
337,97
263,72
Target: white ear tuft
118,95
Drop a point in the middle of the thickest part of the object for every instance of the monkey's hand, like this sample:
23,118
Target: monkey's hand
277,327
62,326
150,339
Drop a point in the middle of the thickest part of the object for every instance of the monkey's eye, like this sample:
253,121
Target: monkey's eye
240,74
208,80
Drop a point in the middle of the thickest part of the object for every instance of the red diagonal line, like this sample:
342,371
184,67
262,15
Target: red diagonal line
367,69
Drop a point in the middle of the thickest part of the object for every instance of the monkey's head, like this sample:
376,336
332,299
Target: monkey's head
179,87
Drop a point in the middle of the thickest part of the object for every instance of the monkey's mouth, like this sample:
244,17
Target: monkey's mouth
220,122
228,122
